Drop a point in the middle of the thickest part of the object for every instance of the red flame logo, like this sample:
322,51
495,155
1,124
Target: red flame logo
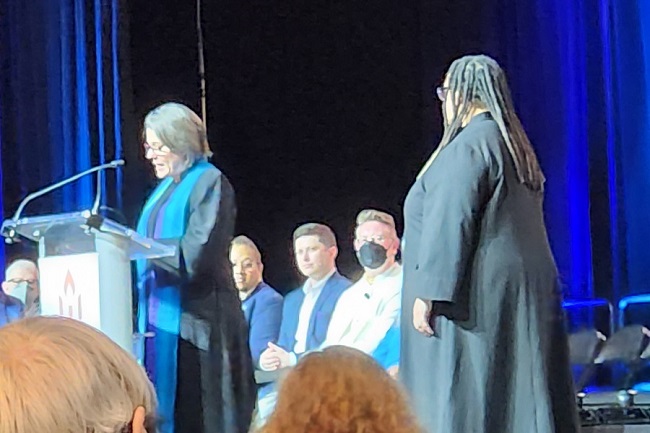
70,300
68,285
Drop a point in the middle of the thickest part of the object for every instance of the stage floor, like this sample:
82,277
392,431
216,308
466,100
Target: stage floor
610,398
617,429
602,412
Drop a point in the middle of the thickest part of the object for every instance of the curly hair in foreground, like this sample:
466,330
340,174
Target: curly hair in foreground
340,390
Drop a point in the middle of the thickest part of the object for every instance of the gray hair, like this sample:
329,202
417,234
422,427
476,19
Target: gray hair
61,375
479,81
21,264
180,129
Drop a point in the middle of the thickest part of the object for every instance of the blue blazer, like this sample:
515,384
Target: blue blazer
263,312
320,317
11,309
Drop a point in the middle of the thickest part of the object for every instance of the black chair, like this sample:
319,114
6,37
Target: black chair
584,347
628,346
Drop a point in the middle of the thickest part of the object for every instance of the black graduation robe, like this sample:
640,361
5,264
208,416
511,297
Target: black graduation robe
475,243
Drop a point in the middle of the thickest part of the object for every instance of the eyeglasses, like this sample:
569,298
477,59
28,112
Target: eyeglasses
379,239
441,92
17,281
162,150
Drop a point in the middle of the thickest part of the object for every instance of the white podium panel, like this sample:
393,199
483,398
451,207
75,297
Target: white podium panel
70,287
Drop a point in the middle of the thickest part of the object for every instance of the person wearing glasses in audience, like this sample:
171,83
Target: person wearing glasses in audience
187,301
366,316
21,283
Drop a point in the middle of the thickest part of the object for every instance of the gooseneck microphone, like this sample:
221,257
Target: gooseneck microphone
100,172
9,225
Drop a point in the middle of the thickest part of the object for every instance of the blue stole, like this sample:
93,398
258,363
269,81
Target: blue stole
160,306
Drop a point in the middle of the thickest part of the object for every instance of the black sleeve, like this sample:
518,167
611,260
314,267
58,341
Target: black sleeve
451,220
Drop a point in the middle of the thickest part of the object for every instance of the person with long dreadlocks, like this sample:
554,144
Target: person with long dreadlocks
484,347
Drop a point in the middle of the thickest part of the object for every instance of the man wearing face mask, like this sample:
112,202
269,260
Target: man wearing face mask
21,282
366,315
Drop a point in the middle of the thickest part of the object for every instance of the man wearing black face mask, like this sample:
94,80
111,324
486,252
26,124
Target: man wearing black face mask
367,314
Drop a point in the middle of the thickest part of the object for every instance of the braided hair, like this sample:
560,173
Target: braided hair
479,82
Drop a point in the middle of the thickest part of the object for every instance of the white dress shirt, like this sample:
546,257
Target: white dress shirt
366,311
312,290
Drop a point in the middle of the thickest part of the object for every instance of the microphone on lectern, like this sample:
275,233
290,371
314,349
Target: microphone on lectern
8,226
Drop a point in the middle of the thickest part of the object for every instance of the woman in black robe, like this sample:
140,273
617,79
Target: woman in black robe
484,348
198,357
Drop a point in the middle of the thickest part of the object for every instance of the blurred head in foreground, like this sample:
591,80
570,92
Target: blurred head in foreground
59,375
340,390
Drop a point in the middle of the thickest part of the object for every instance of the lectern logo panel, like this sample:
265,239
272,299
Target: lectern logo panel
70,287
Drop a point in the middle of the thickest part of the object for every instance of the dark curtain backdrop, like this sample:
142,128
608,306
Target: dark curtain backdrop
319,109
62,101
314,108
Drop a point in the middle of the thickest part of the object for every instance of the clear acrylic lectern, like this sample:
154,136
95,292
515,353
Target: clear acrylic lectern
85,272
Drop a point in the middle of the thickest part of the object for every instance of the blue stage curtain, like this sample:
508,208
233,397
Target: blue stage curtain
631,100
60,96
580,75
2,249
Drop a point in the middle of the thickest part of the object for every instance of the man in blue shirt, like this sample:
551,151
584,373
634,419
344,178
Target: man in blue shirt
261,304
